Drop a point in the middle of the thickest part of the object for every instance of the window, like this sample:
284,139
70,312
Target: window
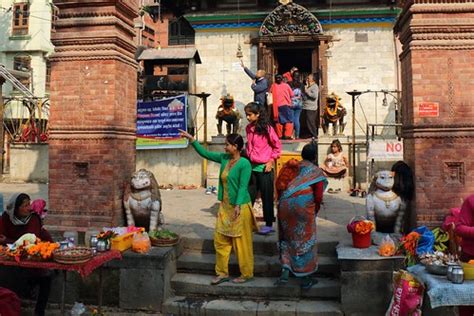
21,13
23,63
54,17
48,76
180,32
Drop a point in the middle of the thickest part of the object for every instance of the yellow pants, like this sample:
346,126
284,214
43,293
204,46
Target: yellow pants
243,247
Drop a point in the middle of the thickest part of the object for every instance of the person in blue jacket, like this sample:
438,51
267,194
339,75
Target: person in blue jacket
259,85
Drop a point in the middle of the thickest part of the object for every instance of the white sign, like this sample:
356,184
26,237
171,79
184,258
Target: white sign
237,67
385,150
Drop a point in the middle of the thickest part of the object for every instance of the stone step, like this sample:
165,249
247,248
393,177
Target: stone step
203,263
180,305
263,245
188,284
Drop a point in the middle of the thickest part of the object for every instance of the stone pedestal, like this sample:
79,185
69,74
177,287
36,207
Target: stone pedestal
93,112
366,280
437,64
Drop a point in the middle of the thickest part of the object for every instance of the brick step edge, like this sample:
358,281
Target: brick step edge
181,305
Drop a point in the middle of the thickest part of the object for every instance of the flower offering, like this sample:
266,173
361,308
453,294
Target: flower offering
360,227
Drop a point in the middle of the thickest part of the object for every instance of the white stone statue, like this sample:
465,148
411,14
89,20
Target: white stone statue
142,201
384,207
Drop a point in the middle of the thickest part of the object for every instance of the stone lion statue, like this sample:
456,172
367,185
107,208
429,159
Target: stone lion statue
384,206
142,201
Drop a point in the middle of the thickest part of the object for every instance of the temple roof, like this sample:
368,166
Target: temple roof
170,53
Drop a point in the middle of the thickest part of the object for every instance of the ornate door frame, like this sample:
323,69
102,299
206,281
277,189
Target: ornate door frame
291,25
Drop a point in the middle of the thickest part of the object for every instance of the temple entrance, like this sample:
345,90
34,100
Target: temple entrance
286,58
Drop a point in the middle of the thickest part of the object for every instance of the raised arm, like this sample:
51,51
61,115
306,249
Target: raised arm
249,73
210,155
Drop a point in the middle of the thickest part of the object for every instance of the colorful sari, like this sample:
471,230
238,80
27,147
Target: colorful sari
297,221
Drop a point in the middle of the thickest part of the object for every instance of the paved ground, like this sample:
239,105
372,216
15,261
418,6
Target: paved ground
193,212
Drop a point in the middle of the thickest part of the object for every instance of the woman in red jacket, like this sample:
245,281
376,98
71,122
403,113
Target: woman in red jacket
17,220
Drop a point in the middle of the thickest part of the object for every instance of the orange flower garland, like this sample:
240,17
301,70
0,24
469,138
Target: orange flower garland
408,246
43,250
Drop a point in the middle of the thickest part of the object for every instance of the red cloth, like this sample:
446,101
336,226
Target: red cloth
84,269
287,75
13,232
282,94
465,225
9,303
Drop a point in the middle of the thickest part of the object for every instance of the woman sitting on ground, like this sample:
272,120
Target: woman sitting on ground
235,219
300,187
14,223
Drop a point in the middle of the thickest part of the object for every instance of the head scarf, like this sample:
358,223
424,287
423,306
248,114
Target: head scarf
38,206
10,209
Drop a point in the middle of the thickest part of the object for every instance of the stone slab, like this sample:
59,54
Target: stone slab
259,287
141,289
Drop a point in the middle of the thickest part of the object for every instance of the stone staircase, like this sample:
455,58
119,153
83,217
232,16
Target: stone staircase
193,294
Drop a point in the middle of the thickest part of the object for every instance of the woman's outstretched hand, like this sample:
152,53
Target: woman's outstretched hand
186,135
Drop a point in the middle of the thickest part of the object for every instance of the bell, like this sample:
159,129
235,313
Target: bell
239,52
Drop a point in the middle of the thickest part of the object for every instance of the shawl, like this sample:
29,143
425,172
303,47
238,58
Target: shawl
309,174
10,209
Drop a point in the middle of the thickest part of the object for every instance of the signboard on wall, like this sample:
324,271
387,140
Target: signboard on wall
385,150
158,123
428,109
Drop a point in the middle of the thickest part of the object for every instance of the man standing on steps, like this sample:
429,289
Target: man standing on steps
310,106
259,85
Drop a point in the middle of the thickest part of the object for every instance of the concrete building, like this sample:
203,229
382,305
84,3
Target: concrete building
25,45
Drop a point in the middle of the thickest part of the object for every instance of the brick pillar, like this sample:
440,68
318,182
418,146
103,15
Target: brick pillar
437,64
93,112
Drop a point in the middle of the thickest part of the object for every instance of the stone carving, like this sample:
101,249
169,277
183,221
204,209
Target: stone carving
334,114
384,206
288,19
142,201
227,112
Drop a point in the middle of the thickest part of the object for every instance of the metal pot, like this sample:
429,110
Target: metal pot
457,276
101,245
449,275
93,241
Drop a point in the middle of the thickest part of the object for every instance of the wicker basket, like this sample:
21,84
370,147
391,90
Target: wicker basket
162,242
74,255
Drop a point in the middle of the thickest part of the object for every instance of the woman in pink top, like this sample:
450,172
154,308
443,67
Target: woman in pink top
282,112
465,230
263,147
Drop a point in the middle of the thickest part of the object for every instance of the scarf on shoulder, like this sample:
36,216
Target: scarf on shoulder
309,174
10,210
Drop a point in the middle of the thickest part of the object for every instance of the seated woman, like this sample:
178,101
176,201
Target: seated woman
336,164
300,187
17,221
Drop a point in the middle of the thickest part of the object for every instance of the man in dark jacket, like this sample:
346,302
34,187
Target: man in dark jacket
259,85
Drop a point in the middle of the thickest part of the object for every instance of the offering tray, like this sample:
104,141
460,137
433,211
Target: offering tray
437,269
73,255
164,242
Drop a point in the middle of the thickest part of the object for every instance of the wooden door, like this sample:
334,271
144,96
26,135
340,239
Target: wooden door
266,61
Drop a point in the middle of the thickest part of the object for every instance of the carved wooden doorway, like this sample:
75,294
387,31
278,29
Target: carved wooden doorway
292,36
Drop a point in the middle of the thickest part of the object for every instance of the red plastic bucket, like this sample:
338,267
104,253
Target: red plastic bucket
361,241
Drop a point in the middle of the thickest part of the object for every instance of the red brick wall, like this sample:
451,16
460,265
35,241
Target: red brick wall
438,66
93,114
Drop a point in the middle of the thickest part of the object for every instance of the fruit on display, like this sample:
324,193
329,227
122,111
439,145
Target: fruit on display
441,239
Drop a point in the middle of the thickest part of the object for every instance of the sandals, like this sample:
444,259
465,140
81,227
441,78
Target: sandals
283,279
220,279
241,280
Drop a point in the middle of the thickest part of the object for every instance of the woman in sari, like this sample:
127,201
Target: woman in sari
300,187
235,221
